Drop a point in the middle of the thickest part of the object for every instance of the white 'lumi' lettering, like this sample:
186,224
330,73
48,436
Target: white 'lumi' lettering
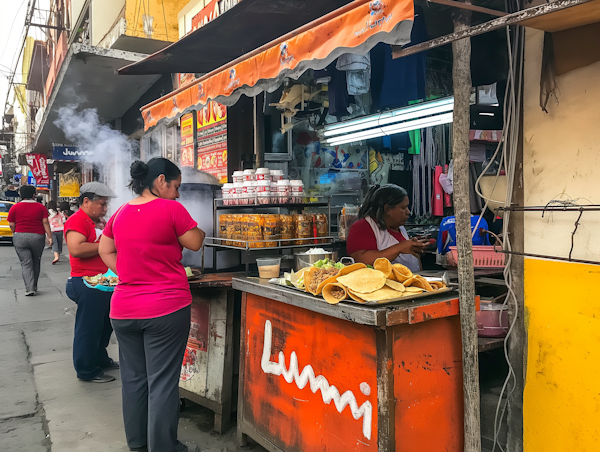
328,392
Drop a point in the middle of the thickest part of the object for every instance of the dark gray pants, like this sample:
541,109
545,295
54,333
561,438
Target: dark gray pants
57,241
150,354
29,248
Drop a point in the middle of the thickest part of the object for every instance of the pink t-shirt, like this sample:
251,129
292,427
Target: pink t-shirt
152,280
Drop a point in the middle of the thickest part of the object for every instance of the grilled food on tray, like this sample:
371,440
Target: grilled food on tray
101,280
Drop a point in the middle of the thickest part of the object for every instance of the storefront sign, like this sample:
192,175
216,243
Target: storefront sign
212,140
70,153
187,141
305,390
39,169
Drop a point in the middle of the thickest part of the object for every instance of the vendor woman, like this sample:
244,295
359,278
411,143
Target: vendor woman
380,231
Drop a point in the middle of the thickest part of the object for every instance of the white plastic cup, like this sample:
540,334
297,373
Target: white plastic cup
238,176
296,191
263,191
250,191
249,175
276,175
283,191
228,191
263,174
238,193
274,195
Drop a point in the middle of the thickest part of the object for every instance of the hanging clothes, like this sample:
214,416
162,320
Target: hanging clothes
396,82
358,72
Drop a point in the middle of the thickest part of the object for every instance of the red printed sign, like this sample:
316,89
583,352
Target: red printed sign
187,141
39,168
307,391
211,11
212,140
197,340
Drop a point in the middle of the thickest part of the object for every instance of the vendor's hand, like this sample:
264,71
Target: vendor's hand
413,246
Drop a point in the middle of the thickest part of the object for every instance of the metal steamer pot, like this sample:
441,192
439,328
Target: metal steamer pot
306,260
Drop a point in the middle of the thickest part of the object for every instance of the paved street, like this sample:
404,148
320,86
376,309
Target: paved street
43,406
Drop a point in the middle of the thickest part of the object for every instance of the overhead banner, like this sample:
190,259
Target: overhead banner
69,184
212,140
39,169
187,141
357,28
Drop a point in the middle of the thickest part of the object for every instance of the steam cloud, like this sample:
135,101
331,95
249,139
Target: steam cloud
109,150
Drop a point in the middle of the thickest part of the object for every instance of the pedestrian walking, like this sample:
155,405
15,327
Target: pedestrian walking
57,225
28,220
92,324
151,309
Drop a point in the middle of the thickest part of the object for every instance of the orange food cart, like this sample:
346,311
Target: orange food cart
316,377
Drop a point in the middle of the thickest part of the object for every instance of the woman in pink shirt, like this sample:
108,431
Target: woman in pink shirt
150,308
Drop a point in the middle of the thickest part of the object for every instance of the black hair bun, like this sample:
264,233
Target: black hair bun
139,170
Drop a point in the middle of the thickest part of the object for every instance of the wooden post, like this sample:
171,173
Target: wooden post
461,74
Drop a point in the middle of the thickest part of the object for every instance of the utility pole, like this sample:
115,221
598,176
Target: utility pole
461,75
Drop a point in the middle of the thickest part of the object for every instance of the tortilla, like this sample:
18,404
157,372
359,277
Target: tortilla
329,293
355,298
397,286
297,275
365,280
311,273
384,266
437,285
422,283
379,295
351,268
413,290
401,272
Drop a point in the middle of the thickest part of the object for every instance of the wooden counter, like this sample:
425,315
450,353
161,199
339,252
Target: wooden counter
209,371
316,377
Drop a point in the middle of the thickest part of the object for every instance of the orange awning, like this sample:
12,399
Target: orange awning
355,28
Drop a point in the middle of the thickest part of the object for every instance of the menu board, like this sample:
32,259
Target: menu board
187,140
212,140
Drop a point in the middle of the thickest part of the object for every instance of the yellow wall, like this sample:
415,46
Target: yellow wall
168,14
562,155
562,390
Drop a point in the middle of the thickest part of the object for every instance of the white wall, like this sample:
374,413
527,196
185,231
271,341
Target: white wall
561,155
186,14
104,16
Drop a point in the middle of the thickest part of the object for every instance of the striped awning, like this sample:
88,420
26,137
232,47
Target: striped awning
354,28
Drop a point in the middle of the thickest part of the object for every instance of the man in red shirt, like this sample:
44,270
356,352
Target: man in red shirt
92,324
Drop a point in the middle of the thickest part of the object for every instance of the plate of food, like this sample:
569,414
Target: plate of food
105,282
384,282
192,273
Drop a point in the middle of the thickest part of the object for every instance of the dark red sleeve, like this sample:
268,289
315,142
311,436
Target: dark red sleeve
361,237
12,213
44,212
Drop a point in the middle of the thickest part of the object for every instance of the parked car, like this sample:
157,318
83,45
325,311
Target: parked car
5,232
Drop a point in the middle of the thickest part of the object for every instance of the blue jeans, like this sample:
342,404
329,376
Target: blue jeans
92,328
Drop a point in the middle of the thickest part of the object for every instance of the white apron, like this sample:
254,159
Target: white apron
385,240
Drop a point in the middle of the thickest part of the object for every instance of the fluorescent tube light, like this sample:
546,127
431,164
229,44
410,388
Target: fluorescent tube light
392,129
390,117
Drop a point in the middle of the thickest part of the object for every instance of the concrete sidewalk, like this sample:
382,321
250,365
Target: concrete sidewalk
43,406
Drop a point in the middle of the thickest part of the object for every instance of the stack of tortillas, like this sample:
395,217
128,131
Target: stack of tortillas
383,282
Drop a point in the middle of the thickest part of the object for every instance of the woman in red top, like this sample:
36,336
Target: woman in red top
150,311
28,220
380,230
